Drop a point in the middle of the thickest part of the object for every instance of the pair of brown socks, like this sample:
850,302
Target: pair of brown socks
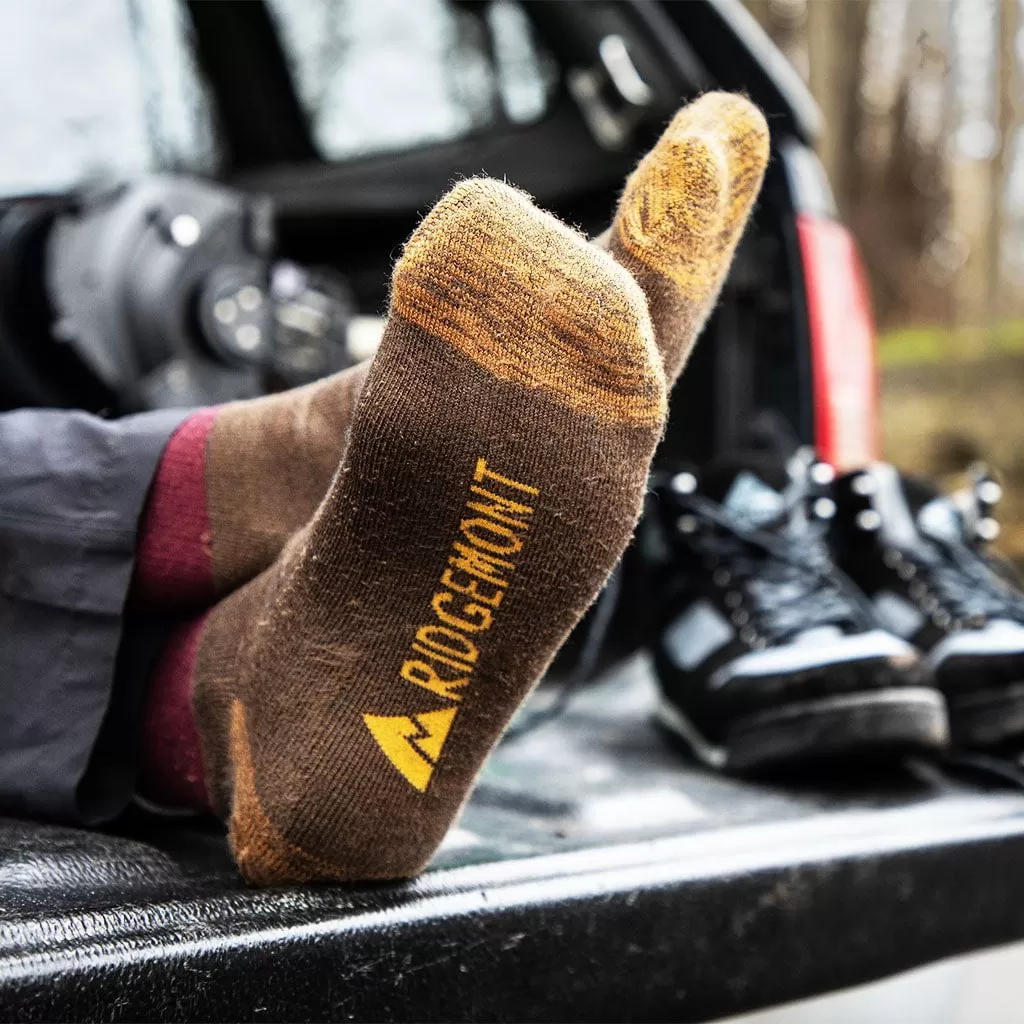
404,547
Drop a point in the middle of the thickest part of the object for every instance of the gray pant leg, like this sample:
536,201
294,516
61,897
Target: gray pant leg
72,487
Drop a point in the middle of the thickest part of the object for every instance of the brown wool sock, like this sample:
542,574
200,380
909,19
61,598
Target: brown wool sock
348,696
269,461
233,484
683,211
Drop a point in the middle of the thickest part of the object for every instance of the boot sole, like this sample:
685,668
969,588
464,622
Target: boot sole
892,721
988,717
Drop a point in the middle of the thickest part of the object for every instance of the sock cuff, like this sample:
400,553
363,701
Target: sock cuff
171,771
173,556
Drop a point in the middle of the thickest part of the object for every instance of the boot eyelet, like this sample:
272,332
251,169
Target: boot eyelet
987,529
684,483
822,473
687,524
721,577
823,508
868,520
864,484
990,492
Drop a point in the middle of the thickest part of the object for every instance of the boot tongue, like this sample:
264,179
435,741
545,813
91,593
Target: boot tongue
751,501
756,505
940,518
933,514
896,506
913,512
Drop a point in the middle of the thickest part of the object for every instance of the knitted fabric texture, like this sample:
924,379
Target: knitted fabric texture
234,483
171,762
348,696
265,465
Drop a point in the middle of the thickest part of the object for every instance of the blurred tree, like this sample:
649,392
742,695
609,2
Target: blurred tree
973,148
922,123
835,44
882,143
1009,92
894,215
785,22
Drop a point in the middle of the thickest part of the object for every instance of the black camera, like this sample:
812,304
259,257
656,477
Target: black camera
163,292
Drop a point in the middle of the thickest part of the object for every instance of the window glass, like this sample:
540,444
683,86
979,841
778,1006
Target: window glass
526,75
103,89
383,75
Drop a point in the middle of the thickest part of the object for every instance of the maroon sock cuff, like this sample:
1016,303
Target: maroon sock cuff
174,565
171,769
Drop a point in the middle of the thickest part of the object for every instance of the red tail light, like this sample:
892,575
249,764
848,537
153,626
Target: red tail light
843,357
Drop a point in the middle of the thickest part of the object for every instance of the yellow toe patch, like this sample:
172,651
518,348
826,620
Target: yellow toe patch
672,209
685,206
526,298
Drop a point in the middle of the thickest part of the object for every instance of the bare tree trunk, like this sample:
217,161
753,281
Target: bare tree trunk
971,188
1009,91
785,22
835,40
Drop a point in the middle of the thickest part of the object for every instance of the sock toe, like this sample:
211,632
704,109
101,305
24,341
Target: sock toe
683,211
742,131
530,301
673,206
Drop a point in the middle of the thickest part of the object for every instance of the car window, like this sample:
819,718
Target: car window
104,89
382,75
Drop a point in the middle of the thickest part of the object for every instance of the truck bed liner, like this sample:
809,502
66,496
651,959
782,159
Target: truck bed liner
595,875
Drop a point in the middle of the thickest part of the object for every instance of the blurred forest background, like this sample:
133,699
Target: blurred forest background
923,104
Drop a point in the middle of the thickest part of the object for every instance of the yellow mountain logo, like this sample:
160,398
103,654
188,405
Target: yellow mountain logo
412,743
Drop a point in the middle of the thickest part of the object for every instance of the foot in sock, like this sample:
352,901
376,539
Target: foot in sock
683,211
238,481
235,482
347,697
